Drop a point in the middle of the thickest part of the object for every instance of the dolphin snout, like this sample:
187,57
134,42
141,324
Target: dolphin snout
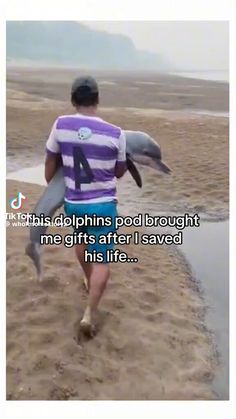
163,166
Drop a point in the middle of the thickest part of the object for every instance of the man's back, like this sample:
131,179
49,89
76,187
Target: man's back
90,148
93,154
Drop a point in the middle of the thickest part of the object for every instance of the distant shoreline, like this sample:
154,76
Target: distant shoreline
219,76
208,75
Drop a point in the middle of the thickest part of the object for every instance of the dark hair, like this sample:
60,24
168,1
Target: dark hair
81,97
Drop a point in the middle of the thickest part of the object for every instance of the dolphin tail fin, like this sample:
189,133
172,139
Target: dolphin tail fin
33,251
134,171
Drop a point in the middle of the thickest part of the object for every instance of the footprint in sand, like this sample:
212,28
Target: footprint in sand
115,303
62,393
138,270
44,339
50,284
149,300
33,303
14,347
42,362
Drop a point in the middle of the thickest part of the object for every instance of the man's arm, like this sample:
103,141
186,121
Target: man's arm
53,155
121,165
52,163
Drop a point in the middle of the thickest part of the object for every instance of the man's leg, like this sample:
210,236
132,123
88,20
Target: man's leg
98,280
100,272
86,266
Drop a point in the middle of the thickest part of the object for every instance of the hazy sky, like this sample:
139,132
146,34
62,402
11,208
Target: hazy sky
188,44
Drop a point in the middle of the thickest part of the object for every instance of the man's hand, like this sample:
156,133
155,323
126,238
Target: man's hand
52,163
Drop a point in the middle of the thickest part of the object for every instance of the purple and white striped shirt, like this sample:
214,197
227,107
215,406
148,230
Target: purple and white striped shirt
90,148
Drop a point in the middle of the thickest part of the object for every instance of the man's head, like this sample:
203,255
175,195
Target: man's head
84,92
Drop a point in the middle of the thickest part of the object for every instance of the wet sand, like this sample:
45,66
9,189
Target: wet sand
195,146
152,342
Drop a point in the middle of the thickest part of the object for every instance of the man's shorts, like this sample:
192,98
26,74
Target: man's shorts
103,209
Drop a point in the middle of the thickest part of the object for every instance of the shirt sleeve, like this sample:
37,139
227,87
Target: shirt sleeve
122,148
52,146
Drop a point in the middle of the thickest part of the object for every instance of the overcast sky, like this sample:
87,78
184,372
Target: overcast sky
187,44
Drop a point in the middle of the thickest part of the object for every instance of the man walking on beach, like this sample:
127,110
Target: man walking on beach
92,152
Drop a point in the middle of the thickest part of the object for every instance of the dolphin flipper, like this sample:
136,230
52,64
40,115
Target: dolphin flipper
133,171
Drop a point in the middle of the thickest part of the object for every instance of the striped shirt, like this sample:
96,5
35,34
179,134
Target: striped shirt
90,148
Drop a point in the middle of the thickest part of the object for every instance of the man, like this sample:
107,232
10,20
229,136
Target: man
92,152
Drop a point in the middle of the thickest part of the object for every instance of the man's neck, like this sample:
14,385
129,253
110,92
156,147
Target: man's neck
87,110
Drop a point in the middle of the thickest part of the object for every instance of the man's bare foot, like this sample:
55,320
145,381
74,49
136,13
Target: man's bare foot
87,329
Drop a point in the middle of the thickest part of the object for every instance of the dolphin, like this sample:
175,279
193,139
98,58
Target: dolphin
140,148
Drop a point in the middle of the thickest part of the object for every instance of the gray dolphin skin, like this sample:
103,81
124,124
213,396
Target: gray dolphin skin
51,199
140,148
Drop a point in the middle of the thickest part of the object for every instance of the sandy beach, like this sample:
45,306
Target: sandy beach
195,146
153,343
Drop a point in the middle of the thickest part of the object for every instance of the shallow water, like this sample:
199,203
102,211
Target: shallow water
206,250
214,75
210,113
29,174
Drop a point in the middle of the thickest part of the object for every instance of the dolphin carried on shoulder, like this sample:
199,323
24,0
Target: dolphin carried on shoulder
140,148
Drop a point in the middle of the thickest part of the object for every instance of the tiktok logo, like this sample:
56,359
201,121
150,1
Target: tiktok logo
16,203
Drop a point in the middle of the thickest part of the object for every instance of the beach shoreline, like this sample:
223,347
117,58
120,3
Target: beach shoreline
156,302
